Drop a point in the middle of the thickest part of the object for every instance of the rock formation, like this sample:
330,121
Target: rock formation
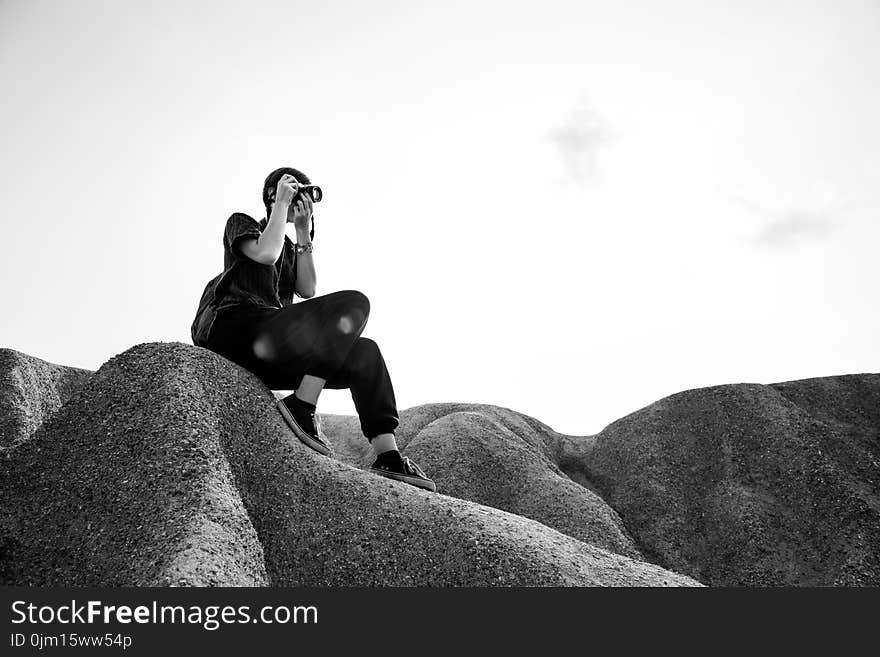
173,468
30,391
751,484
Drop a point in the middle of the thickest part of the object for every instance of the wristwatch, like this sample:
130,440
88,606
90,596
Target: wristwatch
303,248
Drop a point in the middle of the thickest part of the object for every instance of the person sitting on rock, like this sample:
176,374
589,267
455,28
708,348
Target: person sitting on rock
248,316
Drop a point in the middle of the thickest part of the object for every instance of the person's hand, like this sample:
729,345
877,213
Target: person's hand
286,189
300,212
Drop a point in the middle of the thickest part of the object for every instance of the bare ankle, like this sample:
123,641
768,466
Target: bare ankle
384,442
310,388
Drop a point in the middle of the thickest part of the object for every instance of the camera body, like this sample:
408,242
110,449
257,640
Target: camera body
312,191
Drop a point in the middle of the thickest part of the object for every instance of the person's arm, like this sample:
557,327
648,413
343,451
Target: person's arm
305,268
267,248
305,263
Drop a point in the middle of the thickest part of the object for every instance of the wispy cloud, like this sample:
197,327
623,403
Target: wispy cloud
580,139
794,227
784,228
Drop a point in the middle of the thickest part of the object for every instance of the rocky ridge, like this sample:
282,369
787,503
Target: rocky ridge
171,466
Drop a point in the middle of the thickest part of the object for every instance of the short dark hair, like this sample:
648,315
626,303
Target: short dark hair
271,183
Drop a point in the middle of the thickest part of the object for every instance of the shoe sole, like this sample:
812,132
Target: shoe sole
427,484
301,433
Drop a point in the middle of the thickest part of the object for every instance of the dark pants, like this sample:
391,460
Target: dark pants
320,336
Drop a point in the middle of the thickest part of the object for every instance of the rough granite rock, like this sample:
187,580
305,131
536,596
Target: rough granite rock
497,457
127,486
172,467
750,484
31,390
345,437
201,482
529,429
350,445
474,457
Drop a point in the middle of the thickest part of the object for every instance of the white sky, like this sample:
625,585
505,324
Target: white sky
570,209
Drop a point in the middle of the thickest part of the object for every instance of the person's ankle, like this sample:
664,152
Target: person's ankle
383,443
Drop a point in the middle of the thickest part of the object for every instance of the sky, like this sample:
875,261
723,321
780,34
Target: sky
570,209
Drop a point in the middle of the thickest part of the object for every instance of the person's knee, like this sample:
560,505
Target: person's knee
358,300
357,310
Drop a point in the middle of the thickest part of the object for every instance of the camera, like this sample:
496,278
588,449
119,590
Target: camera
312,191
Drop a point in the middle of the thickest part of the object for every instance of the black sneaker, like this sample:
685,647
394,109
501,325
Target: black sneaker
405,470
304,422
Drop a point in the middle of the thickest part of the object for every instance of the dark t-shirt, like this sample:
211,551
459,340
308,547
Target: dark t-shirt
245,281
